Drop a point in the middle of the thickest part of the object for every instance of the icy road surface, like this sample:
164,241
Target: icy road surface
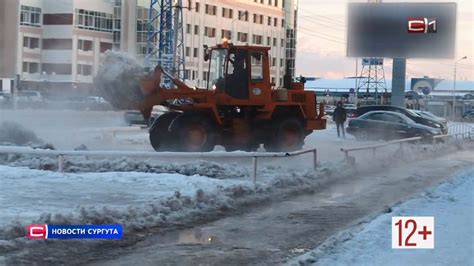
452,206
273,233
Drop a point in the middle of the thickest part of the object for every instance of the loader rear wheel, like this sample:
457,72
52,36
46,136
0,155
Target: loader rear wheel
161,138
289,136
196,133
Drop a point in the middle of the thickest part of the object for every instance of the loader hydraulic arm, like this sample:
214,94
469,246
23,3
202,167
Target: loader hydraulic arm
156,95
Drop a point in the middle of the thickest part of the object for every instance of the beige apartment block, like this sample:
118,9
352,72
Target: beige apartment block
57,45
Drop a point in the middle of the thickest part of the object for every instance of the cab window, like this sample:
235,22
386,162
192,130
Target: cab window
256,61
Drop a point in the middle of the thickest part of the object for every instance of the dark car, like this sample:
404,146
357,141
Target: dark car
468,116
426,120
388,125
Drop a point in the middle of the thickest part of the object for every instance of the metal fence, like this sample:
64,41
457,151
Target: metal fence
194,155
462,135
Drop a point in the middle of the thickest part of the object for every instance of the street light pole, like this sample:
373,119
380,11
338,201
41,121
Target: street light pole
454,85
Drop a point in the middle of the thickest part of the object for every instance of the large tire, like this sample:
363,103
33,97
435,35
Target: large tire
161,138
288,135
196,132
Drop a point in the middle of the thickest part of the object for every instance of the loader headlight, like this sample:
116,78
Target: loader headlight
257,91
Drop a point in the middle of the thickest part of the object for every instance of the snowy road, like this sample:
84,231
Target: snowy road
452,206
271,233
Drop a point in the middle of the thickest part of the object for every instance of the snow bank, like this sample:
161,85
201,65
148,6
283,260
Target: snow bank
452,205
139,201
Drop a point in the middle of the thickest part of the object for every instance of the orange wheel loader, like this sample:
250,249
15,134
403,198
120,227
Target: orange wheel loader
240,108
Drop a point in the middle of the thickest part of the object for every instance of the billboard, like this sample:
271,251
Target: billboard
401,30
424,85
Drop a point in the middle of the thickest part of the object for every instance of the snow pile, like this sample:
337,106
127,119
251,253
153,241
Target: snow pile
140,202
118,79
14,133
83,164
451,204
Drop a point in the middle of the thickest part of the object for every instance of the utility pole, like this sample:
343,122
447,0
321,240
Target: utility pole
454,86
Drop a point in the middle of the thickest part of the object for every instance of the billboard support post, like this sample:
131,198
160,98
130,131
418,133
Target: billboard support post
398,82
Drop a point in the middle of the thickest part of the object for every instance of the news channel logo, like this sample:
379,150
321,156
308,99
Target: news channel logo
78,231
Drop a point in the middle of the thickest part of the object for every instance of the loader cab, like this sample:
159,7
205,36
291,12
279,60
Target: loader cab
240,72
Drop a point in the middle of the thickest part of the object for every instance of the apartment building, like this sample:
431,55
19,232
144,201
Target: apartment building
59,43
207,22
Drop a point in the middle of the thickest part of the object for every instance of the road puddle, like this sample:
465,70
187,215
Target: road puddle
188,237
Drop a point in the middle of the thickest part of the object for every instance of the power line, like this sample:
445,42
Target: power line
321,37
315,21
337,38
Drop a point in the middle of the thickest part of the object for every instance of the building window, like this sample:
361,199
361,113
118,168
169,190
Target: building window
227,13
276,2
196,30
84,45
93,20
188,28
226,34
275,42
211,10
282,43
269,21
244,15
84,70
30,67
274,61
30,42
197,7
209,32
30,16
188,51
258,19
195,52
257,39
105,46
275,22
283,23
242,37
269,41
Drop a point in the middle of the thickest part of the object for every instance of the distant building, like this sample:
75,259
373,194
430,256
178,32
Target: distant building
57,45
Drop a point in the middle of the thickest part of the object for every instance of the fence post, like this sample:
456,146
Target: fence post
60,164
254,172
315,158
346,153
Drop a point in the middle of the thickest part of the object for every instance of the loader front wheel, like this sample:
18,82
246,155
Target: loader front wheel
196,133
161,138
289,136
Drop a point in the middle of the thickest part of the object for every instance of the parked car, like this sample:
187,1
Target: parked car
469,116
388,125
134,117
350,110
431,116
30,96
329,109
427,121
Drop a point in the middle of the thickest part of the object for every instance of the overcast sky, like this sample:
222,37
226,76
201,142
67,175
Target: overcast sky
322,48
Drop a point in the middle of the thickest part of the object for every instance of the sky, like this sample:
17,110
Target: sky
321,44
